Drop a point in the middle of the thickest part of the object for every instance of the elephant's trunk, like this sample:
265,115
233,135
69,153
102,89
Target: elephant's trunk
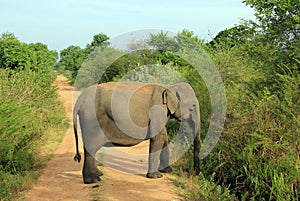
196,131
195,125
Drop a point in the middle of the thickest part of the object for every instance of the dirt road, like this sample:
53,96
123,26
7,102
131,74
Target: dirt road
61,179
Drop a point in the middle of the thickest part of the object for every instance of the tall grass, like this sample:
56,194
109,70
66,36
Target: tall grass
258,154
29,109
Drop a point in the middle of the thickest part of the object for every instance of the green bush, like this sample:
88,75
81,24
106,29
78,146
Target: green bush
257,156
28,109
200,188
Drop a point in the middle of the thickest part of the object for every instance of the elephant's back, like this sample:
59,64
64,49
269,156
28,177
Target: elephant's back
145,88
125,98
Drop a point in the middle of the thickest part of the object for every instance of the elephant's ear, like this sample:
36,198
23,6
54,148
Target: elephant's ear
170,100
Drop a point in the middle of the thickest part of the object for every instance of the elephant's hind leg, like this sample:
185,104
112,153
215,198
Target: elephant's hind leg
90,172
93,139
92,144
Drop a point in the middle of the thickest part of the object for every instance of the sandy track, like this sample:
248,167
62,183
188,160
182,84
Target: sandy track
61,179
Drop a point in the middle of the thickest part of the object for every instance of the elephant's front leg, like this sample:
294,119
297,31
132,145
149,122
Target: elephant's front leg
90,172
156,146
164,165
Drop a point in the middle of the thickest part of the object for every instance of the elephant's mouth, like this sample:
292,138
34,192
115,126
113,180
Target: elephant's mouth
186,118
173,116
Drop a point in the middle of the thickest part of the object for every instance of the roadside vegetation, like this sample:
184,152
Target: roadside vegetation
31,116
258,154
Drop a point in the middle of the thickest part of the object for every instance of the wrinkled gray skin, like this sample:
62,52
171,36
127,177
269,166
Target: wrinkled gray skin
128,113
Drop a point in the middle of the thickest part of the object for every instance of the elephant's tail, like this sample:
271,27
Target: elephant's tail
76,109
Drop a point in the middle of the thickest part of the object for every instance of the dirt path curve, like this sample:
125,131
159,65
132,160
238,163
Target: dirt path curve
61,179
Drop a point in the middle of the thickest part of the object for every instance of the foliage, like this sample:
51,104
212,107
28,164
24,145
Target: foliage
45,59
199,188
184,40
163,74
259,143
96,67
279,27
28,110
128,62
73,57
261,135
15,54
278,19
233,36
98,40
163,42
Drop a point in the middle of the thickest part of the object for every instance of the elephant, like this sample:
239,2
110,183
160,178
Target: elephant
127,113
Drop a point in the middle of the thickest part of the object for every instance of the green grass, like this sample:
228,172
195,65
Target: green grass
32,119
195,188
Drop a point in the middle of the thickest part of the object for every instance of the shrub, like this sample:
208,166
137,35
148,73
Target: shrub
257,156
28,109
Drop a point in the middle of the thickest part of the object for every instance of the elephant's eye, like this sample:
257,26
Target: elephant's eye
193,107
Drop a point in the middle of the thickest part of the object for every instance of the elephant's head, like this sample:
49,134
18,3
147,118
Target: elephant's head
186,106
189,112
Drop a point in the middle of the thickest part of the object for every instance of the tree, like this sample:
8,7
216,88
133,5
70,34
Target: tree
14,54
71,59
278,19
187,38
98,40
163,42
279,26
233,36
8,35
45,58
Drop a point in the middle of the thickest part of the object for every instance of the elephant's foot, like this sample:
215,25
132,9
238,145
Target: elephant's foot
196,171
154,175
166,169
100,173
96,171
91,179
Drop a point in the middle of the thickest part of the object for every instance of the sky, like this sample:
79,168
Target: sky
61,23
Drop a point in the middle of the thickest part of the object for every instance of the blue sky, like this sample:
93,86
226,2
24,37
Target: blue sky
60,23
